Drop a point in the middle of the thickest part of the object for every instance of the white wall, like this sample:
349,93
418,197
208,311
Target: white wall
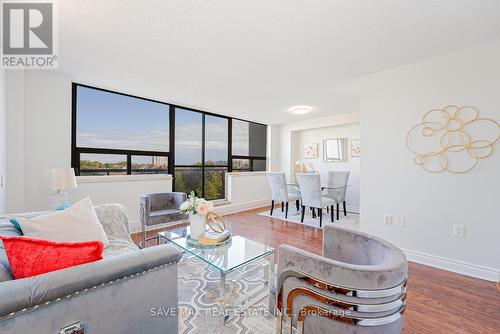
3,142
125,190
39,132
287,142
317,136
246,191
392,102
15,141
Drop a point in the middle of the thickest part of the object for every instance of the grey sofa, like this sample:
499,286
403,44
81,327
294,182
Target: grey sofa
122,293
358,286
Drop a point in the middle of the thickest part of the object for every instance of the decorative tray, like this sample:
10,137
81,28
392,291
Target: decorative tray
195,243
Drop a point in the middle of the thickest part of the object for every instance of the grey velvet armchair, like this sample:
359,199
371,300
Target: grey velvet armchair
160,208
358,286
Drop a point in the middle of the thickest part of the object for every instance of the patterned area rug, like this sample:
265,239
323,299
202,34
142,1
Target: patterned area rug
349,221
199,298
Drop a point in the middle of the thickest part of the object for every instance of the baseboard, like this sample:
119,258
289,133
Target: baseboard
353,209
464,268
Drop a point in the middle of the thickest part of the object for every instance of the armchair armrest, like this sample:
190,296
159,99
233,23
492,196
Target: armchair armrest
29,292
351,276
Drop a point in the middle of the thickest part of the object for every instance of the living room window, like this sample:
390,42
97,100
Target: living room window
248,146
120,134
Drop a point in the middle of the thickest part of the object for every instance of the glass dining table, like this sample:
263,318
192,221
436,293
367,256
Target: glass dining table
323,187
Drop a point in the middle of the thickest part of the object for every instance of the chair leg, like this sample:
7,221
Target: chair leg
313,213
332,213
327,209
272,207
302,215
297,205
282,206
143,235
338,211
320,213
345,211
286,210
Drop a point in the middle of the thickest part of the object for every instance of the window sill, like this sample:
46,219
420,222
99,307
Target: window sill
238,174
121,178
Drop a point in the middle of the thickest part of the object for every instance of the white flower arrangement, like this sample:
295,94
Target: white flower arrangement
196,205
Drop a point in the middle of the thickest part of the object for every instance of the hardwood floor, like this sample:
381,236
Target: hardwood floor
438,301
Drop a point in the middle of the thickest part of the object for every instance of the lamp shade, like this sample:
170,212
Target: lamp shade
60,178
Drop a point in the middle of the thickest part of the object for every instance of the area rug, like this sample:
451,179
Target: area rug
199,298
349,221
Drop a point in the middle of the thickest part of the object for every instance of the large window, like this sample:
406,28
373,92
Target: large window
120,134
201,153
249,146
117,134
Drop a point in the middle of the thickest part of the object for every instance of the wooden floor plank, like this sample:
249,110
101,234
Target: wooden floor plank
439,302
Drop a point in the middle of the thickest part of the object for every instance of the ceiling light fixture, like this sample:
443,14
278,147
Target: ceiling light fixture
300,110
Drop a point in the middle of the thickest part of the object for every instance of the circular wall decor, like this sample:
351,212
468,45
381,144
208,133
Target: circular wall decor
445,133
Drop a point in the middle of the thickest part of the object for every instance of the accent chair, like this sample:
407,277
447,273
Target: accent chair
279,192
358,286
160,208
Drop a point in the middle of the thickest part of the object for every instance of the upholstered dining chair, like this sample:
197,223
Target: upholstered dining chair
335,179
358,286
280,193
160,208
311,195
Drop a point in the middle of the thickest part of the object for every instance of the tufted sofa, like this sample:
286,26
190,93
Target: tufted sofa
117,294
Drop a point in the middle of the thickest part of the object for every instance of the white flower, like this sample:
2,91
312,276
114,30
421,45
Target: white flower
185,206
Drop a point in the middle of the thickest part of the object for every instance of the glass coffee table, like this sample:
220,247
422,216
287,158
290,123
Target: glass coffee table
239,255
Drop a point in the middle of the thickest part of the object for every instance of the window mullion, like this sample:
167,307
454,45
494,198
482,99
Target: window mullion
129,164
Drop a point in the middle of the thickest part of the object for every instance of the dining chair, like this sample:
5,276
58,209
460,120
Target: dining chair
279,192
336,179
311,195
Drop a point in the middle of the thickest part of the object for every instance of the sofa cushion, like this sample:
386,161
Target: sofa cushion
30,257
77,223
13,220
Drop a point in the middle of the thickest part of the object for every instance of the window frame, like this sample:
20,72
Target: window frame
76,151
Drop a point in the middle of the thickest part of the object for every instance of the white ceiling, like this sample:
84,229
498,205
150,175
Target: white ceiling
256,58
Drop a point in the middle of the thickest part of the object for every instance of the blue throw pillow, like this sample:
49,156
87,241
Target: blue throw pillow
63,206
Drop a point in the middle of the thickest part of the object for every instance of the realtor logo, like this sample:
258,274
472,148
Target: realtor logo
28,35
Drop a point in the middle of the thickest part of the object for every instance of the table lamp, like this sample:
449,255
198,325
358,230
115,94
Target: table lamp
59,181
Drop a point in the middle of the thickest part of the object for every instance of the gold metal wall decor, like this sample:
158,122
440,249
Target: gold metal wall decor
448,130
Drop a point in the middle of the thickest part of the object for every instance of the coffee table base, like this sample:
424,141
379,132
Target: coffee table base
246,300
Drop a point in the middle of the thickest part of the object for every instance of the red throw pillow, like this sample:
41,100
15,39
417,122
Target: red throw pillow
29,257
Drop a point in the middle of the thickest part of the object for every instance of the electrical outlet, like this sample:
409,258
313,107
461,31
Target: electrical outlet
388,219
459,231
400,221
